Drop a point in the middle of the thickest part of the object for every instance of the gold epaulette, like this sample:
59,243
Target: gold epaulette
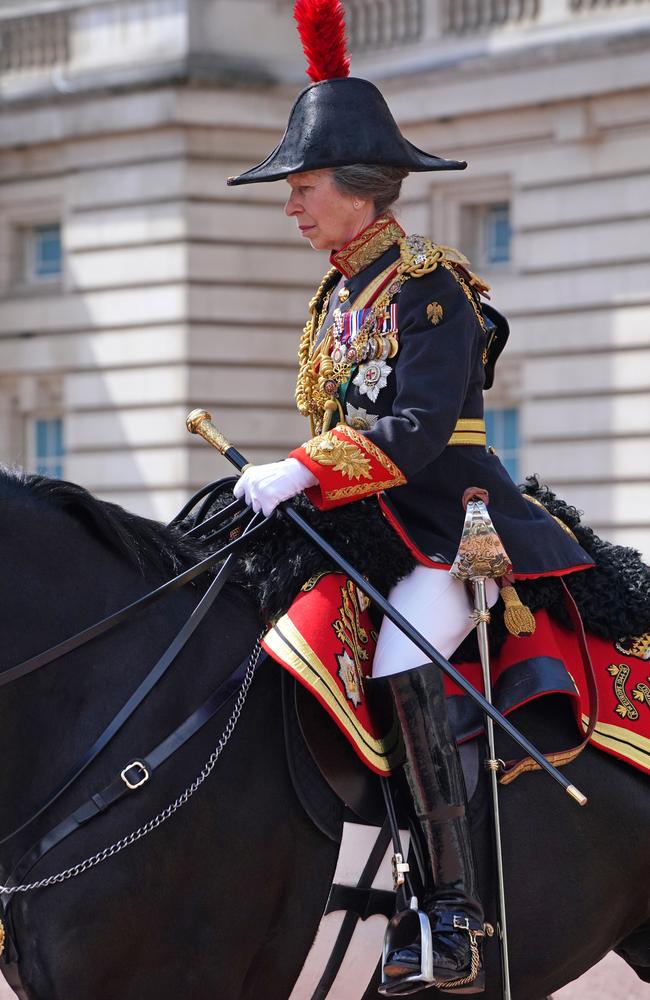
420,256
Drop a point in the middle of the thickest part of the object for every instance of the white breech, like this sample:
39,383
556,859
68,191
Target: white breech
439,606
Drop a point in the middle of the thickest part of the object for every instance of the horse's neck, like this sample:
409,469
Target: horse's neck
64,581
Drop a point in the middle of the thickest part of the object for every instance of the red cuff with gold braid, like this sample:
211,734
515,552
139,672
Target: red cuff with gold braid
348,467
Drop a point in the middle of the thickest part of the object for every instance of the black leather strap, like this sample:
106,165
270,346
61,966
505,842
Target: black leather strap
364,902
351,918
155,674
135,775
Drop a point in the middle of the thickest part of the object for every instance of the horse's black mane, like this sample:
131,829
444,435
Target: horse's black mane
148,545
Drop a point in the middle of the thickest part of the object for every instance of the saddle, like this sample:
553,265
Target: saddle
326,642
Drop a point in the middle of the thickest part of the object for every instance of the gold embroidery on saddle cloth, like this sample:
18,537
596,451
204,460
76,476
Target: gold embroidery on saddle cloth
640,692
637,646
621,672
293,649
354,637
312,581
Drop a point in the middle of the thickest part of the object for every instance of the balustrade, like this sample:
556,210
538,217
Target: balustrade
587,6
465,17
34,42
38,39
375,24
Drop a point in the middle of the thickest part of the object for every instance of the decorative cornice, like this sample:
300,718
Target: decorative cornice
368,246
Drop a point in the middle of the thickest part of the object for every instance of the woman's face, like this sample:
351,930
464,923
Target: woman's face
325,216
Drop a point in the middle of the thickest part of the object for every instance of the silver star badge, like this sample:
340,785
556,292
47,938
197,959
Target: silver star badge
359,418
349,676
371,378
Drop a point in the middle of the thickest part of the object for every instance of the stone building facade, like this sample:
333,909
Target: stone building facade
134,285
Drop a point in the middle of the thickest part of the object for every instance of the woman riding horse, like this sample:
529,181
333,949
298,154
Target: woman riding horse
393,363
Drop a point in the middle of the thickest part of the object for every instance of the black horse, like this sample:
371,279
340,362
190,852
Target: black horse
222,901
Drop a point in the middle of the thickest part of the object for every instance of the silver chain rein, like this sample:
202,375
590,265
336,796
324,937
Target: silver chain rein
166,813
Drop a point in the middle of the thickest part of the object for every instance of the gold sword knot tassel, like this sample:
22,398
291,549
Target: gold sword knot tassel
518,618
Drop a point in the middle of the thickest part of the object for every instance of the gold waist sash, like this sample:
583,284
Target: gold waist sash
469,431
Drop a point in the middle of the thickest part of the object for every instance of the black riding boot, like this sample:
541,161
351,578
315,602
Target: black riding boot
436,781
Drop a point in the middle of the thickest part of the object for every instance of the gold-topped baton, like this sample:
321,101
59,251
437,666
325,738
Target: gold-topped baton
200,422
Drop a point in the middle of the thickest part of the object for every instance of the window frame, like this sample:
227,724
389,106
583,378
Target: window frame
16,221
506,454
457,210
29,243
31,450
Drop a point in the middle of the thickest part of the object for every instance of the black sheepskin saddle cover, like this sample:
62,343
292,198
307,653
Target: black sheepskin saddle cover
613,598
274,566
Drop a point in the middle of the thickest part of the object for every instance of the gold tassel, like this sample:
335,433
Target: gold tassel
519,619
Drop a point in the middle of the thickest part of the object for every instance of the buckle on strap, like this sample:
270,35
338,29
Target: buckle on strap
135,782
400,868
461,923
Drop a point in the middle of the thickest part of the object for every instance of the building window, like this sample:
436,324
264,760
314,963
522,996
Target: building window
43,256
502,429
48,447
487,233
497,234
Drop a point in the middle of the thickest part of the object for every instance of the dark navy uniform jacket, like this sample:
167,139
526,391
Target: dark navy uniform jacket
438,377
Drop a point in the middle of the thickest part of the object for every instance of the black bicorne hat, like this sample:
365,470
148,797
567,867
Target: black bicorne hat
338,122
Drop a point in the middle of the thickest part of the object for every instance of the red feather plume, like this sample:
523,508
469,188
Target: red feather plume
321,25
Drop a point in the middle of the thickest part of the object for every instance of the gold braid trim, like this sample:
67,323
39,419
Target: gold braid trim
366,248
374,450
538,503
419,256
344,457
396,476
318,373
306,379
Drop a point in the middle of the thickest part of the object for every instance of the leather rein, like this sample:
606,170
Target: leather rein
238,519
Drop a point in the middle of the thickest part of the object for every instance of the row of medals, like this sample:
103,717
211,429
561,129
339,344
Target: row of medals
380,345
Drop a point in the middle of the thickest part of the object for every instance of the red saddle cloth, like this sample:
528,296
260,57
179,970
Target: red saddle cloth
327,641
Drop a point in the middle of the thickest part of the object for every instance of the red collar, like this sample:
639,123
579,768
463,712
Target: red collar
367,246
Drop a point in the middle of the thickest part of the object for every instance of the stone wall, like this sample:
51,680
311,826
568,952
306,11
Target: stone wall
179,292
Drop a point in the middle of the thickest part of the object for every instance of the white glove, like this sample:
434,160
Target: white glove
265,486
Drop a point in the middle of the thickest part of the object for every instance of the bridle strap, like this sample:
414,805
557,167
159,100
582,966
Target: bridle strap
130,611
134,775
152,678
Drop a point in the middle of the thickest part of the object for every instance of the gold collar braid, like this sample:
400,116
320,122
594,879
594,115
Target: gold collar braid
368,246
